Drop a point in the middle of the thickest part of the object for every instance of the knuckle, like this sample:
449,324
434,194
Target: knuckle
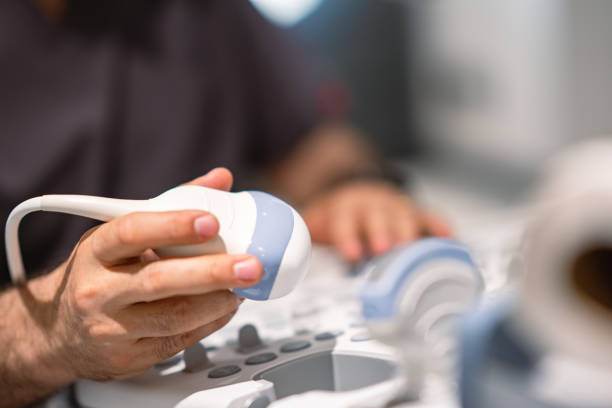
341,203
168,346
340,233
219,323
162,322
120,361
181,308
230,299
175,317
188,337
217,270
126,229
101,331
85,296
96,243
172,227
152,278
177,226
225,302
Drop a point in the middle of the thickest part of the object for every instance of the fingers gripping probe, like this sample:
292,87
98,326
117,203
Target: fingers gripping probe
250,222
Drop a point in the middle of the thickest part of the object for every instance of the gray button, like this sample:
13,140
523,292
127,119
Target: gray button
224,371
328,335
294,346
302,332
196,358
248,339
260,358
361,336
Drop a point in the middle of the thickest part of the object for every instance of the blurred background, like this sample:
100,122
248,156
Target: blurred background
468,97
479,92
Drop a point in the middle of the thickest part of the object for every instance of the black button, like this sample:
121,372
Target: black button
260,358
328,335
224,371
295,346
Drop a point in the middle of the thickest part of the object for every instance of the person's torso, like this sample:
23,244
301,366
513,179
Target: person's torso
100,115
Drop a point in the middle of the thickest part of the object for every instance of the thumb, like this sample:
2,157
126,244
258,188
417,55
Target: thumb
219,178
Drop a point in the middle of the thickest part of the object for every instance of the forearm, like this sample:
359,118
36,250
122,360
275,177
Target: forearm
31,365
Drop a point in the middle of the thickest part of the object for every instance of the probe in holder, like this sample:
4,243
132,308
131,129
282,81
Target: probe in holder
412,300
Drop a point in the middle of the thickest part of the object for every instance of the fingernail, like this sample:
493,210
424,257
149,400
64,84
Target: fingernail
381,244
206,226
241,299
445,231
247,270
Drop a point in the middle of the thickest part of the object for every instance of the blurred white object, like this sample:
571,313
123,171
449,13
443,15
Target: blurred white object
581,169
568,256
548,346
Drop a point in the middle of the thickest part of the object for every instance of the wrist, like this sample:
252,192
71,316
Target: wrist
382,172
41,347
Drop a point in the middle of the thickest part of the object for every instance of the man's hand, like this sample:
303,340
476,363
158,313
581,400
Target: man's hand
368,216
357,218
114,309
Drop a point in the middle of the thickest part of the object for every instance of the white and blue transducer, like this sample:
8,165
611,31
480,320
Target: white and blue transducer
281,242
413,299
250,222
418,279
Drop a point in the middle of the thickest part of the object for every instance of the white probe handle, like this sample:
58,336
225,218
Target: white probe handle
98,208
250,222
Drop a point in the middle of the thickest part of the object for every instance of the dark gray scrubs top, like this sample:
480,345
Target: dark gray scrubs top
129,101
